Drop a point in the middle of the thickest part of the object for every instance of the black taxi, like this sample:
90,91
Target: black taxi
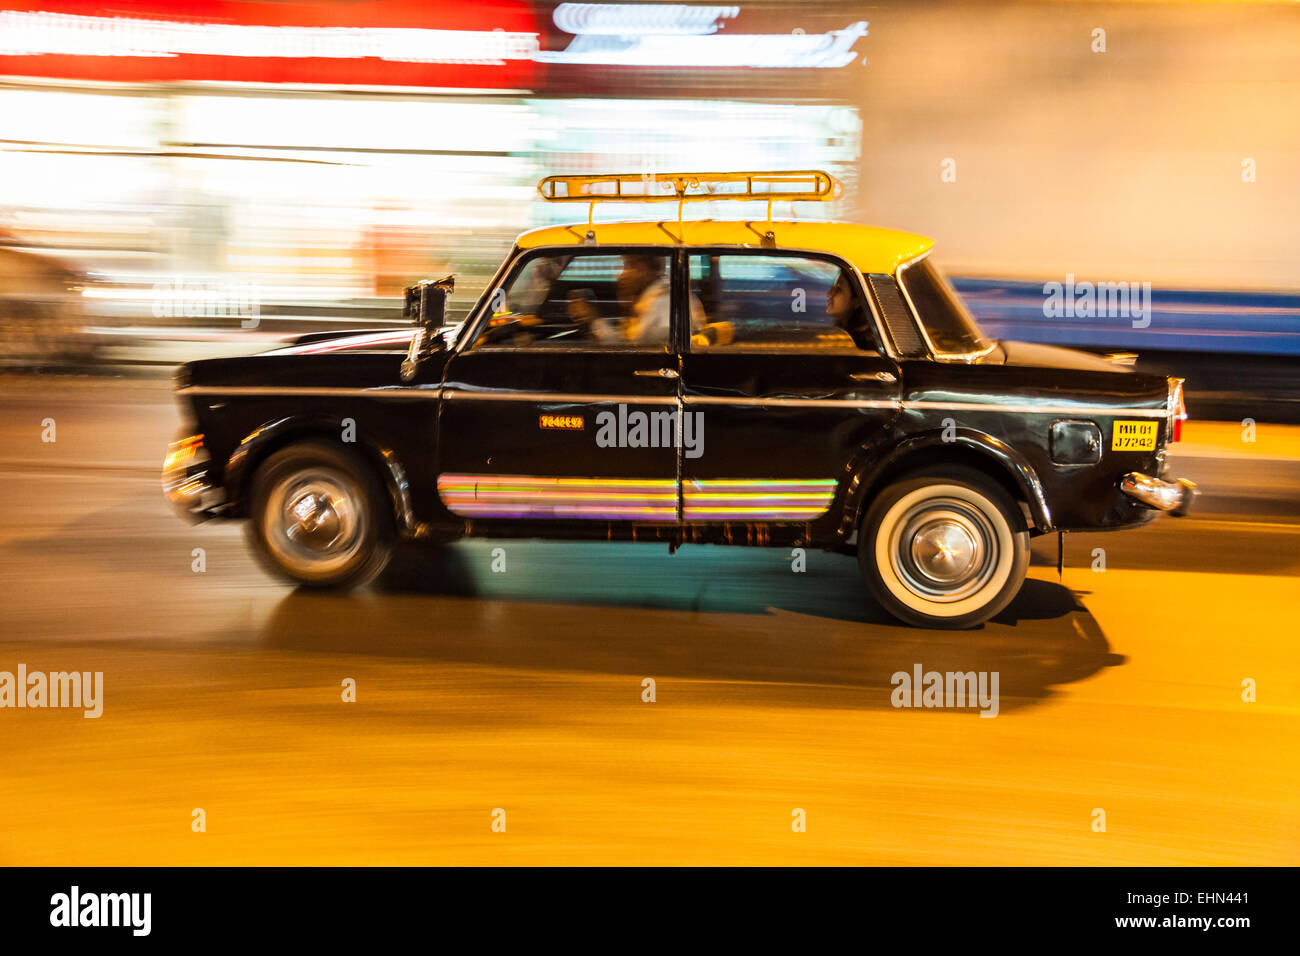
746,382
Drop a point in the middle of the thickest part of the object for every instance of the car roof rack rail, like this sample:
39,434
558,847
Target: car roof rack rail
807,185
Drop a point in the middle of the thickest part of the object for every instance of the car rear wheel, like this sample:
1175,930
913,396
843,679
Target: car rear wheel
319,517
944,548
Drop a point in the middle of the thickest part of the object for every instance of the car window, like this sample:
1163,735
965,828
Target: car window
568,298
948,323
763,302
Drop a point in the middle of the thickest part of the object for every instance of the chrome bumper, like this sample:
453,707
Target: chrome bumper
185,480
1174,496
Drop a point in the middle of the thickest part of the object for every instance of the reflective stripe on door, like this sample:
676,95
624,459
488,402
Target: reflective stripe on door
635,499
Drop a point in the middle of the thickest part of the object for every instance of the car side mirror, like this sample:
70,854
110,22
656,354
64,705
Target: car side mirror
426,306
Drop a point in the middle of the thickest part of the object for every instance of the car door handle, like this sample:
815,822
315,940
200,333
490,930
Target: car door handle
657,373
874,377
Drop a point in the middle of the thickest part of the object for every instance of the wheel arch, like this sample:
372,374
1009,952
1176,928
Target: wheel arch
968,447
267,439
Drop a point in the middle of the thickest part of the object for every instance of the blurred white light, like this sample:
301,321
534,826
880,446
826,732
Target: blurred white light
627,19
762,51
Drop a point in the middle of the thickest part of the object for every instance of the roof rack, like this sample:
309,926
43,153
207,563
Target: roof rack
809,185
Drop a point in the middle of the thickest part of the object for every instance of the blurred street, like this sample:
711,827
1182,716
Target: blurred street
522,690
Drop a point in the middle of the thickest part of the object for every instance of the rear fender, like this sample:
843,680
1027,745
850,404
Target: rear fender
874,469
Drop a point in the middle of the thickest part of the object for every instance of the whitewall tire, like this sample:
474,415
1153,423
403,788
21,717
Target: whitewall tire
944,548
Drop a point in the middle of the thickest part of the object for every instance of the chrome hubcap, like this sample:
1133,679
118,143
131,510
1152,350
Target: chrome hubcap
316,521
944,549
313,520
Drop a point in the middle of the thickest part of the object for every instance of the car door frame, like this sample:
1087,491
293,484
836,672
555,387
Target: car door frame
667,356
831,525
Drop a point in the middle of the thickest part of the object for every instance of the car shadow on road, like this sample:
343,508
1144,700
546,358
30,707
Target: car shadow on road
723,615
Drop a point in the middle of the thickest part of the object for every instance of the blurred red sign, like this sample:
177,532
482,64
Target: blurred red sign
488,44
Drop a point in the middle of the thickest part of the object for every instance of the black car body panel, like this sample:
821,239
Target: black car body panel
799,441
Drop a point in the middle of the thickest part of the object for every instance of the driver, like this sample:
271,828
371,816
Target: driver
642,283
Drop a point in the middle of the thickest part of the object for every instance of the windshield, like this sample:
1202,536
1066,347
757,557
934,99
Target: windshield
951,328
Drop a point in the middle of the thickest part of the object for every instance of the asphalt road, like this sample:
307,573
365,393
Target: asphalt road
522,690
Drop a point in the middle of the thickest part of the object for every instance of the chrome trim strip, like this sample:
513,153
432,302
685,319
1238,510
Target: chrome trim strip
398,392
781,402
568,397
1101,410
417,393
661,351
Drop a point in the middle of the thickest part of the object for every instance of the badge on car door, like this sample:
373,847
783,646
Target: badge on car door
572,423
1134,436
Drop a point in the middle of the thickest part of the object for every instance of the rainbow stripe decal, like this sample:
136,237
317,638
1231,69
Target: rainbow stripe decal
635,499
522,496
756,499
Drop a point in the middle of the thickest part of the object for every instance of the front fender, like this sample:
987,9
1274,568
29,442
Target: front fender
253,448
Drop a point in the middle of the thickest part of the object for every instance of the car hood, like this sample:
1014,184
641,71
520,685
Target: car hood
350,340
1053,356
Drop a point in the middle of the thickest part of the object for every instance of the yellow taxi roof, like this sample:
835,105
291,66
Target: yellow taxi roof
869,248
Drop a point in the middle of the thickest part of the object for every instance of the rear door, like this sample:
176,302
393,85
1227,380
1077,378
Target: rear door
781,393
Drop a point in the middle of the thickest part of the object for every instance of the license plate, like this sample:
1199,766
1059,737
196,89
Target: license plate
1134,436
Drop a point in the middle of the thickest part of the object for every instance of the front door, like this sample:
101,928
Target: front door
560,409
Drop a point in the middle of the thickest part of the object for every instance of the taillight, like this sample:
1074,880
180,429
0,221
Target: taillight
1179,409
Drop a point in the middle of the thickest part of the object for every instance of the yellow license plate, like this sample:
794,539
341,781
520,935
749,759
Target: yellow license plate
1134,436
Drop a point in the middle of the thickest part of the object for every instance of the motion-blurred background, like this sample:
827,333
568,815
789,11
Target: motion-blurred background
187,179
182,178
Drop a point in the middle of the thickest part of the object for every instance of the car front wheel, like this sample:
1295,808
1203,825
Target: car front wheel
944,548
319,517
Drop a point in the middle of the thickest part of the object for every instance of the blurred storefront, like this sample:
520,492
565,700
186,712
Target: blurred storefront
325,155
